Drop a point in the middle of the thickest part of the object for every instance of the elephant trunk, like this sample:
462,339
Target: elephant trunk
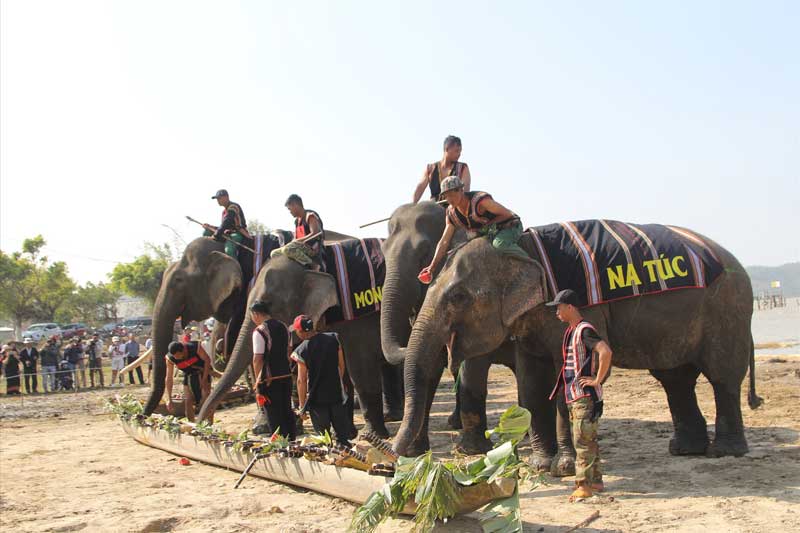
423,365
242,356
401,292
165,312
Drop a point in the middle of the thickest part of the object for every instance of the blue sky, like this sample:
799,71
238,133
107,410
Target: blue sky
118,117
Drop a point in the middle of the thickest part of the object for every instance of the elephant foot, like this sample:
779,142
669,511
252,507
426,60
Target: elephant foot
379,430
418,447
473,444
454,420
688,444
541,463
392,416
564,466
722,446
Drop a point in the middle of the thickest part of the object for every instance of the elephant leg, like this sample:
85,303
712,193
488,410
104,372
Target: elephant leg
729,436
564,462
472,391
690,436
535,377
363,374
393,401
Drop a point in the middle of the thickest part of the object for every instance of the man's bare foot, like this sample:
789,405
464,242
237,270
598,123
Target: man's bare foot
581,492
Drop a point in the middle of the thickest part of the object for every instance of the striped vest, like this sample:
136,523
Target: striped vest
577,363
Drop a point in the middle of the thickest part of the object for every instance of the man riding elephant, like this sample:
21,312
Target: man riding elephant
233,226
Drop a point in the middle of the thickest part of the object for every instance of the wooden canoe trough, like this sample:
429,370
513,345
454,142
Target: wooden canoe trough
340,482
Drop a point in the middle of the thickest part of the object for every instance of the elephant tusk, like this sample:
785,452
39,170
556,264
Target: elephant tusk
450,344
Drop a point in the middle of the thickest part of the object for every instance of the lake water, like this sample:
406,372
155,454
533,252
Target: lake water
780,325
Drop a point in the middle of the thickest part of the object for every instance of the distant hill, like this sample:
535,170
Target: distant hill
788,275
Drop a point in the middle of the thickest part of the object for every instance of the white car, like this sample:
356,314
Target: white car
41,331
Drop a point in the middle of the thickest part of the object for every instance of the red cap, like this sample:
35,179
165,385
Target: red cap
302,323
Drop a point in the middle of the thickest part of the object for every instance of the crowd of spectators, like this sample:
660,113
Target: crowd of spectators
61,364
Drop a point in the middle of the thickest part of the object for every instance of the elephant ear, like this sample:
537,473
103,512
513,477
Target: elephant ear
223,276
319,294
524,289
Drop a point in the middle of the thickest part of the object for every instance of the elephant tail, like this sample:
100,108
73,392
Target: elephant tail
753,399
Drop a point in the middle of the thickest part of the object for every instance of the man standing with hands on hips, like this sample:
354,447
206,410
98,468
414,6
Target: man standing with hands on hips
587,361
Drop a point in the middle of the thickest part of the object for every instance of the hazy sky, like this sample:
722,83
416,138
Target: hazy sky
118,117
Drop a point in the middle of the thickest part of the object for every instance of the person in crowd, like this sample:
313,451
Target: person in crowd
11,368
148,345
307,222
480,215
98,342
194,362
439,170
271,367
50,357
132,354
587,361
187,335
73,354
233,226
320,368
93,350
117,354
29,356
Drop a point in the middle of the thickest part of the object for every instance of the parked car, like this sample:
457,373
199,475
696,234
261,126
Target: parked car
41,331
73,330
138,326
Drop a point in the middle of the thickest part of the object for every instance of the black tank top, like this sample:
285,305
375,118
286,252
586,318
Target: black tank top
301,226
192,362
435,183
276,339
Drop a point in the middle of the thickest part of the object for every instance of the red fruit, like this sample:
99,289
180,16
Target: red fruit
184,461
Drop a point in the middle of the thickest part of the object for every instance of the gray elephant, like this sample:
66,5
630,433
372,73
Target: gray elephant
205,283
289,290
414,230
481,296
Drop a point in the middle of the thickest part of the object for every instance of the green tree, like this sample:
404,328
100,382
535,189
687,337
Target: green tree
256,226
92,304
141,277
30,288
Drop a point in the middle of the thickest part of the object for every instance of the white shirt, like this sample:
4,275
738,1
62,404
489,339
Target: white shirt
261,346
116,351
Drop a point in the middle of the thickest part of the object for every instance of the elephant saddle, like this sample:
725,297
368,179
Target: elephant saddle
359,269
607,260
264,245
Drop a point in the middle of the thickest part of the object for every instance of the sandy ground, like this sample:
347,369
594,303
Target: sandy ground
67,466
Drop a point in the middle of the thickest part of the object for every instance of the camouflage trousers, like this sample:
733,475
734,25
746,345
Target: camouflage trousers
297,251
584,438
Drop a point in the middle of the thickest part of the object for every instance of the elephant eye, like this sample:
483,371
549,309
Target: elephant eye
460,298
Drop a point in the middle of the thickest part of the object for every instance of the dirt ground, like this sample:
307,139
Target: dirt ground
67,466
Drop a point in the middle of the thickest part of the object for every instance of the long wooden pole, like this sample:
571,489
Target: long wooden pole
440,202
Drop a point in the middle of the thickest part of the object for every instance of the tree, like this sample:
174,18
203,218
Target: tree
16,289
141,277
255,226
91,304
29,287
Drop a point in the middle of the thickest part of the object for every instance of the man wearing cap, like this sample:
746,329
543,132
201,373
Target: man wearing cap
233,225
117,354
587,361
320,368
439,170
273,377
308,252
480,215
29,357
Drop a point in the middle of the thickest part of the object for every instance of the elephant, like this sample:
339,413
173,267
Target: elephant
414,230
289,290
204,283
676,335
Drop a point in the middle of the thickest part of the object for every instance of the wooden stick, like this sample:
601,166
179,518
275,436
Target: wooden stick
190,219
440,202
592,517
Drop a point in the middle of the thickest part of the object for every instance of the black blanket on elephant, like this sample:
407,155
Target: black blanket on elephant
264,245
606,260
359,269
